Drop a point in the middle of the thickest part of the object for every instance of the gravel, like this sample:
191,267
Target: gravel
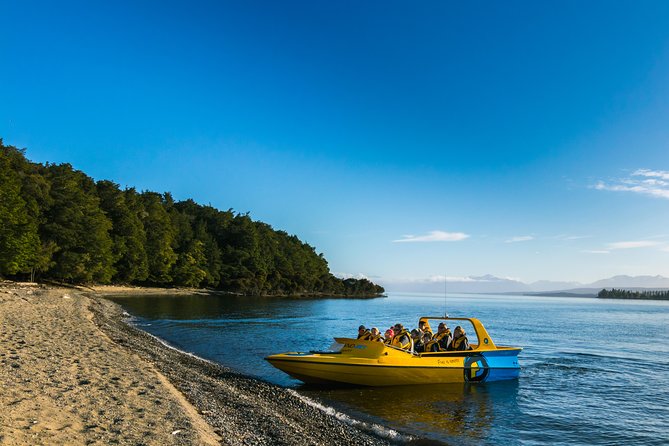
242,410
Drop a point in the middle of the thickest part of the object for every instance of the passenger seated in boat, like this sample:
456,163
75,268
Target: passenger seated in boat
388,338
424,326
441,341
363,333
402,338
417,337
460,341
444,336
375,335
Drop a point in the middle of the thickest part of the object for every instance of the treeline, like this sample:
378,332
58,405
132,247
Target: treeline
57,223
627,294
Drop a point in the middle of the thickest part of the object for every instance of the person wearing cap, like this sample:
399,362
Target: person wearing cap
424,326
427,337
444,336
441,341
363,333
388,337
417,337
460,341
375,335
402,338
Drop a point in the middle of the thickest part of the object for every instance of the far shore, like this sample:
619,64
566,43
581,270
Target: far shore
129,290
74,372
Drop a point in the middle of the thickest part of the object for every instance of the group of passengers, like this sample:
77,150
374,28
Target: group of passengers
422,337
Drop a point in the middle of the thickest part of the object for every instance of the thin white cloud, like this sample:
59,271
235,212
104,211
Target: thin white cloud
449,279
632,245
434,236
454,279
662,174
576,237
350,276
430,279
520,238
569,237
596,251
642,181
655,183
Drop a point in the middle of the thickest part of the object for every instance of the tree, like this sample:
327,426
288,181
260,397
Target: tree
160,236
188,270
77,226
19,240
239,251
127,233
191,263
212,255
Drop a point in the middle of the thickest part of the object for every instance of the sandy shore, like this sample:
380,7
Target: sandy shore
72,372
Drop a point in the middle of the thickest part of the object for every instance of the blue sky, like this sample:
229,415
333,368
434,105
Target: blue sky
521,139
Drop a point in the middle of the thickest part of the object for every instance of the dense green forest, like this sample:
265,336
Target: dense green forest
57,223
627,294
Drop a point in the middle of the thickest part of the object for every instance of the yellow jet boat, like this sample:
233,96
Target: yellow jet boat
373,363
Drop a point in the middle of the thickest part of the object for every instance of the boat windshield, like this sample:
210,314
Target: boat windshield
466,324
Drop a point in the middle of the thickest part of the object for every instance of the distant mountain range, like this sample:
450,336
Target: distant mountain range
493,284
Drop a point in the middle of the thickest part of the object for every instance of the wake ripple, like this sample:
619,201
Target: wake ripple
376,429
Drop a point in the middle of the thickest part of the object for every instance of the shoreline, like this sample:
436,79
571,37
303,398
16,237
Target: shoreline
127,290
184,399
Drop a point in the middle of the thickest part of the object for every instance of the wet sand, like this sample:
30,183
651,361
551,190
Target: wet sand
73,372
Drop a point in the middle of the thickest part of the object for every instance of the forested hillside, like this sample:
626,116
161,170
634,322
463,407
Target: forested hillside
614,293
57,223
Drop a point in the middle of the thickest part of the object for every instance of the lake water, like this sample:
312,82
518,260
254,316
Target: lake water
592,371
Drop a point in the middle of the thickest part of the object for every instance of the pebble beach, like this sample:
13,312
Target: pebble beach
74,372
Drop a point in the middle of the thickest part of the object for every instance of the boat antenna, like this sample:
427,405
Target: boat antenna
445,292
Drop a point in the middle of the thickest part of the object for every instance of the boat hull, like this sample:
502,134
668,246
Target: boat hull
449,367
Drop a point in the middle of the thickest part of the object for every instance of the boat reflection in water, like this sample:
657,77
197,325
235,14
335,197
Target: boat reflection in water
437,412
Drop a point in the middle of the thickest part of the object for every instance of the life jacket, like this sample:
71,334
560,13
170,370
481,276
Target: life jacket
398,342
432,346
368,336
461,343
443,340
440,335
365,336
426,329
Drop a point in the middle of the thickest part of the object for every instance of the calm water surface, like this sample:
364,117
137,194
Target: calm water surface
593,371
